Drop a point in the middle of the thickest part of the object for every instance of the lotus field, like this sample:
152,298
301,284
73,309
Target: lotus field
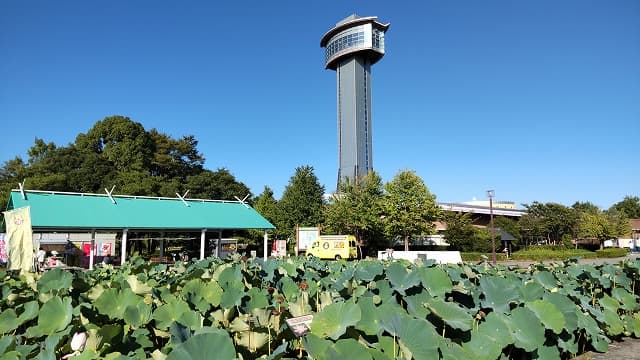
237,309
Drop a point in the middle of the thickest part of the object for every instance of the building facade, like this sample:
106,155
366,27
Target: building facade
351,47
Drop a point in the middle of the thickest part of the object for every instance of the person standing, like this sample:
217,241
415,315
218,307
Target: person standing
40,256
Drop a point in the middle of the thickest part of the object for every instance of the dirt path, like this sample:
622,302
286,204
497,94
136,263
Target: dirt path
629,349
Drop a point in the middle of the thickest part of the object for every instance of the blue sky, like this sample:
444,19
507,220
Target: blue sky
538,100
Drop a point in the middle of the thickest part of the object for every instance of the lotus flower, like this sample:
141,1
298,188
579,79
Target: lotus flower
78,341
77,344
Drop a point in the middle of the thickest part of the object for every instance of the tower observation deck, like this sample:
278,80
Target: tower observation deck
351,47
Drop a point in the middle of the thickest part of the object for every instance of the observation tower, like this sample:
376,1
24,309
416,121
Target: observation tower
351,47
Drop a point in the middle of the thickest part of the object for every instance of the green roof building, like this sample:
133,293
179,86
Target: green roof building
63,211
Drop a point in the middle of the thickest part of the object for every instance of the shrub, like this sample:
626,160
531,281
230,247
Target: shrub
612,252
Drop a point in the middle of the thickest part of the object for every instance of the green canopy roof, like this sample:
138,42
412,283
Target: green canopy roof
58,210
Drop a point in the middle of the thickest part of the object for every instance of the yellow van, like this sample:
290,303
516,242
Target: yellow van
334,247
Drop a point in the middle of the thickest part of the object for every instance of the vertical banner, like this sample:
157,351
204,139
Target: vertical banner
19,239
3,249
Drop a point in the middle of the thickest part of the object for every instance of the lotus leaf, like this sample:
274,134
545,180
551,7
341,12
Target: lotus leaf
385,291
548,314
627,300
142,338
567,307
482,347
526,330
252,340
401,279
176,311
632,323
288,269
416,304
137,286
600,343
530,291
436,281
7,343
335,318
229,275
368,270
205,346
453,351
258,299
545,352
269,267
289,288
113,302
55,280
391,317
232,296
300,306
369,321
137,315
614,324
8,321
452,314
418,339
546,279
498,293
54,315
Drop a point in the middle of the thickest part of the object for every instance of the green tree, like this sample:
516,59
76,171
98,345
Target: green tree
585,207
219,185
629,206
549,221
460,231
301,203
410,209
602,225
121,141
357,210
508,225
267,206
175,158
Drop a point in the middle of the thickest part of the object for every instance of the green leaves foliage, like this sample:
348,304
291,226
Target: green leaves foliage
361,310
334,319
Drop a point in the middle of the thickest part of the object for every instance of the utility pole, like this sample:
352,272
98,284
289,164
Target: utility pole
491,194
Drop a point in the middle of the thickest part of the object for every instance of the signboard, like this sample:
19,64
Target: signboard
279,248
305,236
228,246
300,325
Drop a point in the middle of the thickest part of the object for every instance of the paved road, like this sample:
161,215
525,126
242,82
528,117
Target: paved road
581,261
629,349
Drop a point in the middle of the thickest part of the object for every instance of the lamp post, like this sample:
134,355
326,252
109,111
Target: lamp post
491,194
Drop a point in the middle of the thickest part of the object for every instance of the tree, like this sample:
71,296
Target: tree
549,221
410,209
602,225
123,142
301,203
508,225
219,185
630,207
460,231
586,207
267,206
357,209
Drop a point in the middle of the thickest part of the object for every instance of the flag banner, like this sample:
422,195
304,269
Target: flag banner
19,239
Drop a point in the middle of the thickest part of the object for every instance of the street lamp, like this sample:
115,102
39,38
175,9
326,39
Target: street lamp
491,194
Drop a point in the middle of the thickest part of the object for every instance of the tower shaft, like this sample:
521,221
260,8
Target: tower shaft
351,48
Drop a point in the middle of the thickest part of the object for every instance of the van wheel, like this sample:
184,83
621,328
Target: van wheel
338,257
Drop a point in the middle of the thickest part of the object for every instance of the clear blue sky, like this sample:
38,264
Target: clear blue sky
538,100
